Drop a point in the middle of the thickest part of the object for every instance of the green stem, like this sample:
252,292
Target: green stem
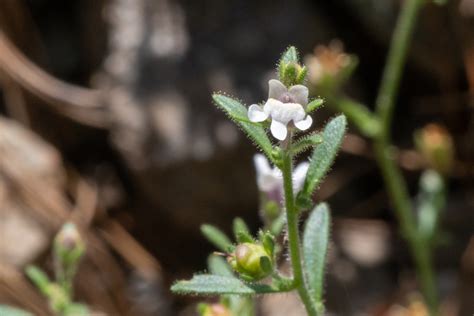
293,234
392,175
396,59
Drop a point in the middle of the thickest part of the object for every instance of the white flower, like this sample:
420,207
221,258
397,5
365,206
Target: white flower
270,180
283,106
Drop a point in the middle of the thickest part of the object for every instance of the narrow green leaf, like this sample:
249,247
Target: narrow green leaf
39,278
315,248
208,284
306,142
276,227
218,265
268,242
238,112
323,155
241,231
314,105
216,237
366,121
6,310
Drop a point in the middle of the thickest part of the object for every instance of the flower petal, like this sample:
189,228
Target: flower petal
278,130
305,123
256,113
299,93
261,165
299,175
276,89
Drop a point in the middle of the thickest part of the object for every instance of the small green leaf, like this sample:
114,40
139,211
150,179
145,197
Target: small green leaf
241,231
276,227
314,105
39,278
306,142
207,284
268,242
315,248
237,112
216,237
323,155
6,310
366,121
218,265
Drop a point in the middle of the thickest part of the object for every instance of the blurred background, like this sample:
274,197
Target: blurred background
106,119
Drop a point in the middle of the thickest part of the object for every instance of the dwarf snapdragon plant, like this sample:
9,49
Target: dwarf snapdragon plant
286,192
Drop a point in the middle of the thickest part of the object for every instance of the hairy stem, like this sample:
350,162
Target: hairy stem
392,175
293,234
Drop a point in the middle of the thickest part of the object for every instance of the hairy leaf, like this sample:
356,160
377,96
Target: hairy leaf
207,284
216,237
323,155
238,113
241,231
315,248
314,105
306,142
218,265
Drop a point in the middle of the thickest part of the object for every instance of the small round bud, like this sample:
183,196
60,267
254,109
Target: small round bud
213,310
68,244
329,66
252,261
292,73
436,146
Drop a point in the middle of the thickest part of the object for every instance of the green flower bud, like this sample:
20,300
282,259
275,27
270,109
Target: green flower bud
68,245
436,146
213,310
292,73
252,261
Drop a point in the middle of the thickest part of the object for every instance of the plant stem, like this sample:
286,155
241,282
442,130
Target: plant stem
293,233
392,175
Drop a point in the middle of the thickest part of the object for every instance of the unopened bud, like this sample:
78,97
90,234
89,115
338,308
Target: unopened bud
436,145
213,310
68,244
252,261
292,73
329,66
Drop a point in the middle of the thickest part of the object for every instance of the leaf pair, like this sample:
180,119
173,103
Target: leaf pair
220,240
222,281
